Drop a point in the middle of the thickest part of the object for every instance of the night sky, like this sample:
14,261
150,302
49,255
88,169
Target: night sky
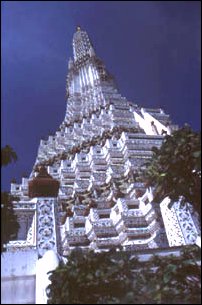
151,47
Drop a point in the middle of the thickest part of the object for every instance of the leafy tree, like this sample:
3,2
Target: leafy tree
8,155
90,278
172,280
175,168
9,224
120,278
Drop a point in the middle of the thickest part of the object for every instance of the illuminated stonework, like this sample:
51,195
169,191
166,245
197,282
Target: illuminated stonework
95,154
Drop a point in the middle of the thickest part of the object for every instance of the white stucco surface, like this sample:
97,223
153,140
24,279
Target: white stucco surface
47,263
18,277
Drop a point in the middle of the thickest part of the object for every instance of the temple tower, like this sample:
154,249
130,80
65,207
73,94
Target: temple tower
94,155
82,190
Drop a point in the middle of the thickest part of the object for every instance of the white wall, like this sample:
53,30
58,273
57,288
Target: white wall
47,263
18,277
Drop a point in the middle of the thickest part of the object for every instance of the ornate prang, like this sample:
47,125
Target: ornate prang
95,155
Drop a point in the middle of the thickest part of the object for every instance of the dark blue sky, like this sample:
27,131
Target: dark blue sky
151,47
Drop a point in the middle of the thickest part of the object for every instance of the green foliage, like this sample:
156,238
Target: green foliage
175,168
171,280
120,278
8,155
9,224
90,278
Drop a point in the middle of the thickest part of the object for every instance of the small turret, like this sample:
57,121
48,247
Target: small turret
43,185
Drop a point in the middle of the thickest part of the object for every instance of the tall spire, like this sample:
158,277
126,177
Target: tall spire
82,47
87,70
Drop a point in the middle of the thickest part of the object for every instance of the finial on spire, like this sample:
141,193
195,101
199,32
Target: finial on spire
78,28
